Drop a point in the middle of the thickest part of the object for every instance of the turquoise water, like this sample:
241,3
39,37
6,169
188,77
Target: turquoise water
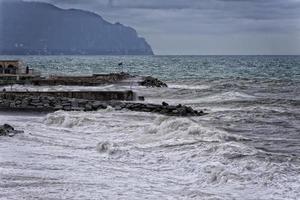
247,147
170,67
265,88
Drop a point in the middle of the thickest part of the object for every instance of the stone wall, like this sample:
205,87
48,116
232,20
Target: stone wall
96,79
89,95
19,102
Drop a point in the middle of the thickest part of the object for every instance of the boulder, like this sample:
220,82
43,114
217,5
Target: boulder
152,82
88,107
141,98
165,104
8,130
96,105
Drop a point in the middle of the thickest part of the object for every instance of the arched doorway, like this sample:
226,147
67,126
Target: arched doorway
1,69
11,69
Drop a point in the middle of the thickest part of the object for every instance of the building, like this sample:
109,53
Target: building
13,71
12,67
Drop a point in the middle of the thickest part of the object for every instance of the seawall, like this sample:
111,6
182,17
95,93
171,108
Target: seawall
44,102
89,95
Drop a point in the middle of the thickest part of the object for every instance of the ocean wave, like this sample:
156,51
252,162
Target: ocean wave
169,152
175,131
67,119
189,87
193,98
227,96
17,87
76,119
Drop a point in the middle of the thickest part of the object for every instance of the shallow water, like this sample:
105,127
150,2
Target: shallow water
248,147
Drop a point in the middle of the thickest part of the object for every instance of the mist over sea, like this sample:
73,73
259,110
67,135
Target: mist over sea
247,147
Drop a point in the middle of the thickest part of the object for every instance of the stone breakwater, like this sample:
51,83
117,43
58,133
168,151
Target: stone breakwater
51,104
126,95
93,80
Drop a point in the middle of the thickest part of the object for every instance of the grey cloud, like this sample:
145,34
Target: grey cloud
252,9
186,21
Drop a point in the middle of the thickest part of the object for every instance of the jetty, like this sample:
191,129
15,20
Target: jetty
86,101
14,72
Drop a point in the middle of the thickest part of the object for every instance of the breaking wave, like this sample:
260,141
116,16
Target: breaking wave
189,87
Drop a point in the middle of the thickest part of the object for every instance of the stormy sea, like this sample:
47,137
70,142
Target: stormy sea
247,147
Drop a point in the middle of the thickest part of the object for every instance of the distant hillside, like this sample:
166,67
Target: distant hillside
40,28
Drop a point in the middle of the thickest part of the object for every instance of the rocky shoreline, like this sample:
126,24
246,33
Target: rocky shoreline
51,104
90,100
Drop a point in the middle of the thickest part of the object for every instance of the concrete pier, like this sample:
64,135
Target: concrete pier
95,79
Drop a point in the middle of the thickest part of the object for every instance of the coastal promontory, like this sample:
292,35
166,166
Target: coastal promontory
35,28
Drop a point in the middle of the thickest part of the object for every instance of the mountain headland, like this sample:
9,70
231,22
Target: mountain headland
34,28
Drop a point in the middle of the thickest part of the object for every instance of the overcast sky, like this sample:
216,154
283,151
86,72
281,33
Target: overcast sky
205,26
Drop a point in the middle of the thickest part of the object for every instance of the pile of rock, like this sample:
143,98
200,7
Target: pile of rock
46,103
164,109
8,130
152,82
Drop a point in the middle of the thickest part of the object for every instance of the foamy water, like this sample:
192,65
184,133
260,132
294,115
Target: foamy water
246,148
119,155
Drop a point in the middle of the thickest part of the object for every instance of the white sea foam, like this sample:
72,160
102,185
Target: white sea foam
189,87
225,96
239,151
219,97
93,153
62,88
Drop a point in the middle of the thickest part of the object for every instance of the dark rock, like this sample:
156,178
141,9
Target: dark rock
182,111
58,107
102,106
77,109
88,107
151,107
66,103
179,106
152,82
141,98
8,130
96,105
82,102
165,104
189,110
67,108
74,103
